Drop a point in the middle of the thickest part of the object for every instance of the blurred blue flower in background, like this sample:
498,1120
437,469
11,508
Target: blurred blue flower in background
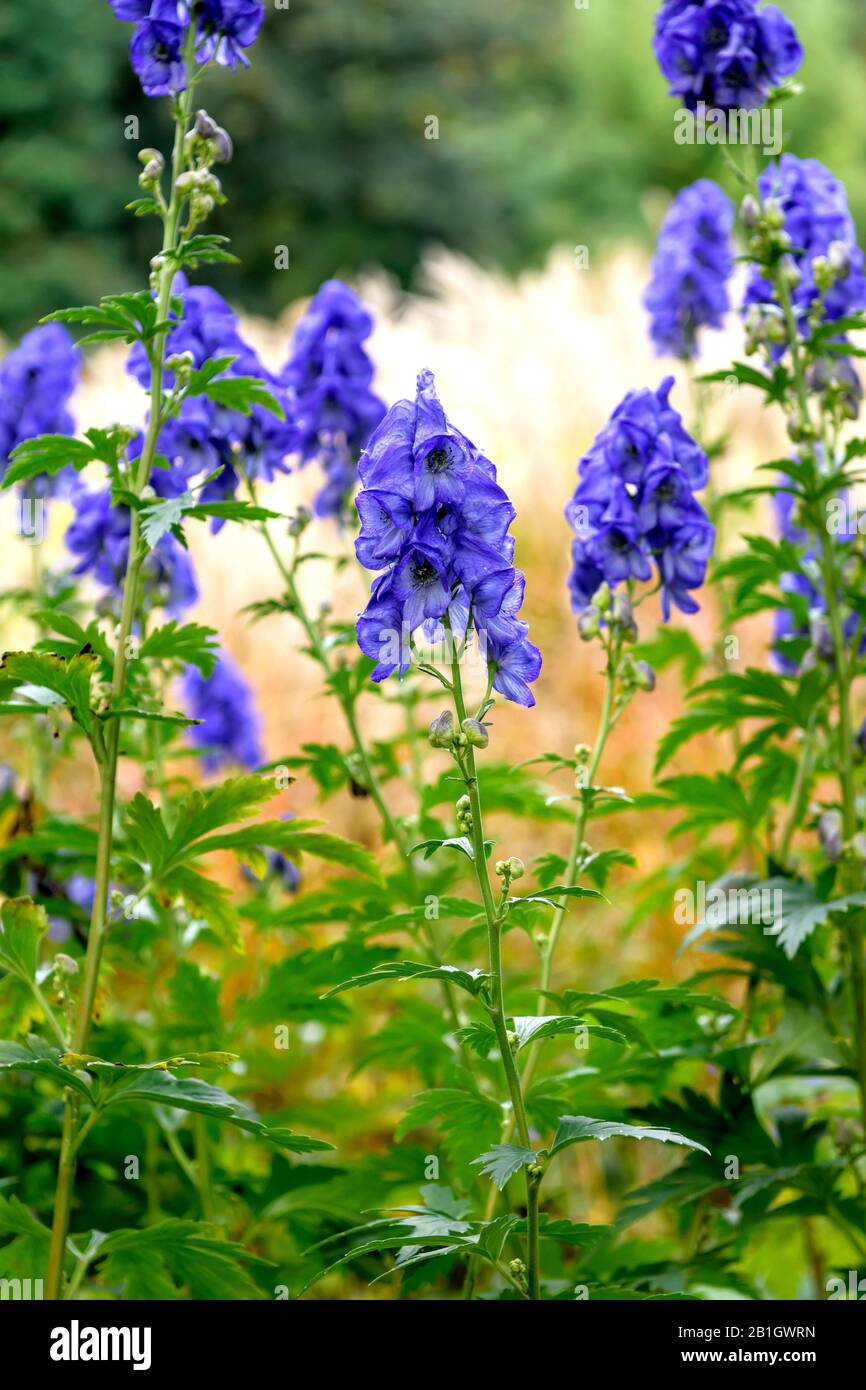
691,268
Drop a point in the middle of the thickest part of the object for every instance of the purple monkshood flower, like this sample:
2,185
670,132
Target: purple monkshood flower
435,522
634,504
729,54
229,731
227,28
691,268
815,208
224,29
328,378
99,537
156,49
205,436
37,380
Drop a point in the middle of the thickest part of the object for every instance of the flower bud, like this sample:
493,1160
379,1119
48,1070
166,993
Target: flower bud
186,183
464,806
643,675
205,125
476,734
65,963
622,609
222,146
601,597
300,521
773,214
839,258
181,362
790,272
589,623
441,731
822,272
150,156
516,867
774,330
151,173
749,212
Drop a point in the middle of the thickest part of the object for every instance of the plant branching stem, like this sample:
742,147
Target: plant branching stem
109,756
497,1001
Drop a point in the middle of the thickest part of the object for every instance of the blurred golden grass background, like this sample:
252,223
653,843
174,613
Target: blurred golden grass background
530,368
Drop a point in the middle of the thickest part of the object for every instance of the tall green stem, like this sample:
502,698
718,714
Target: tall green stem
575,854
109,757
497,998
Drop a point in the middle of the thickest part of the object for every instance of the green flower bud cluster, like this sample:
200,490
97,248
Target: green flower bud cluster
614,610
509,869
207,143
464,815
181,363
202,190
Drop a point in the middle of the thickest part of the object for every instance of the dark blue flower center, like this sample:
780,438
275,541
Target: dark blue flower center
439,459
423,573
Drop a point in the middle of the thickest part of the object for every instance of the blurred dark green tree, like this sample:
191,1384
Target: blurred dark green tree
553,126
